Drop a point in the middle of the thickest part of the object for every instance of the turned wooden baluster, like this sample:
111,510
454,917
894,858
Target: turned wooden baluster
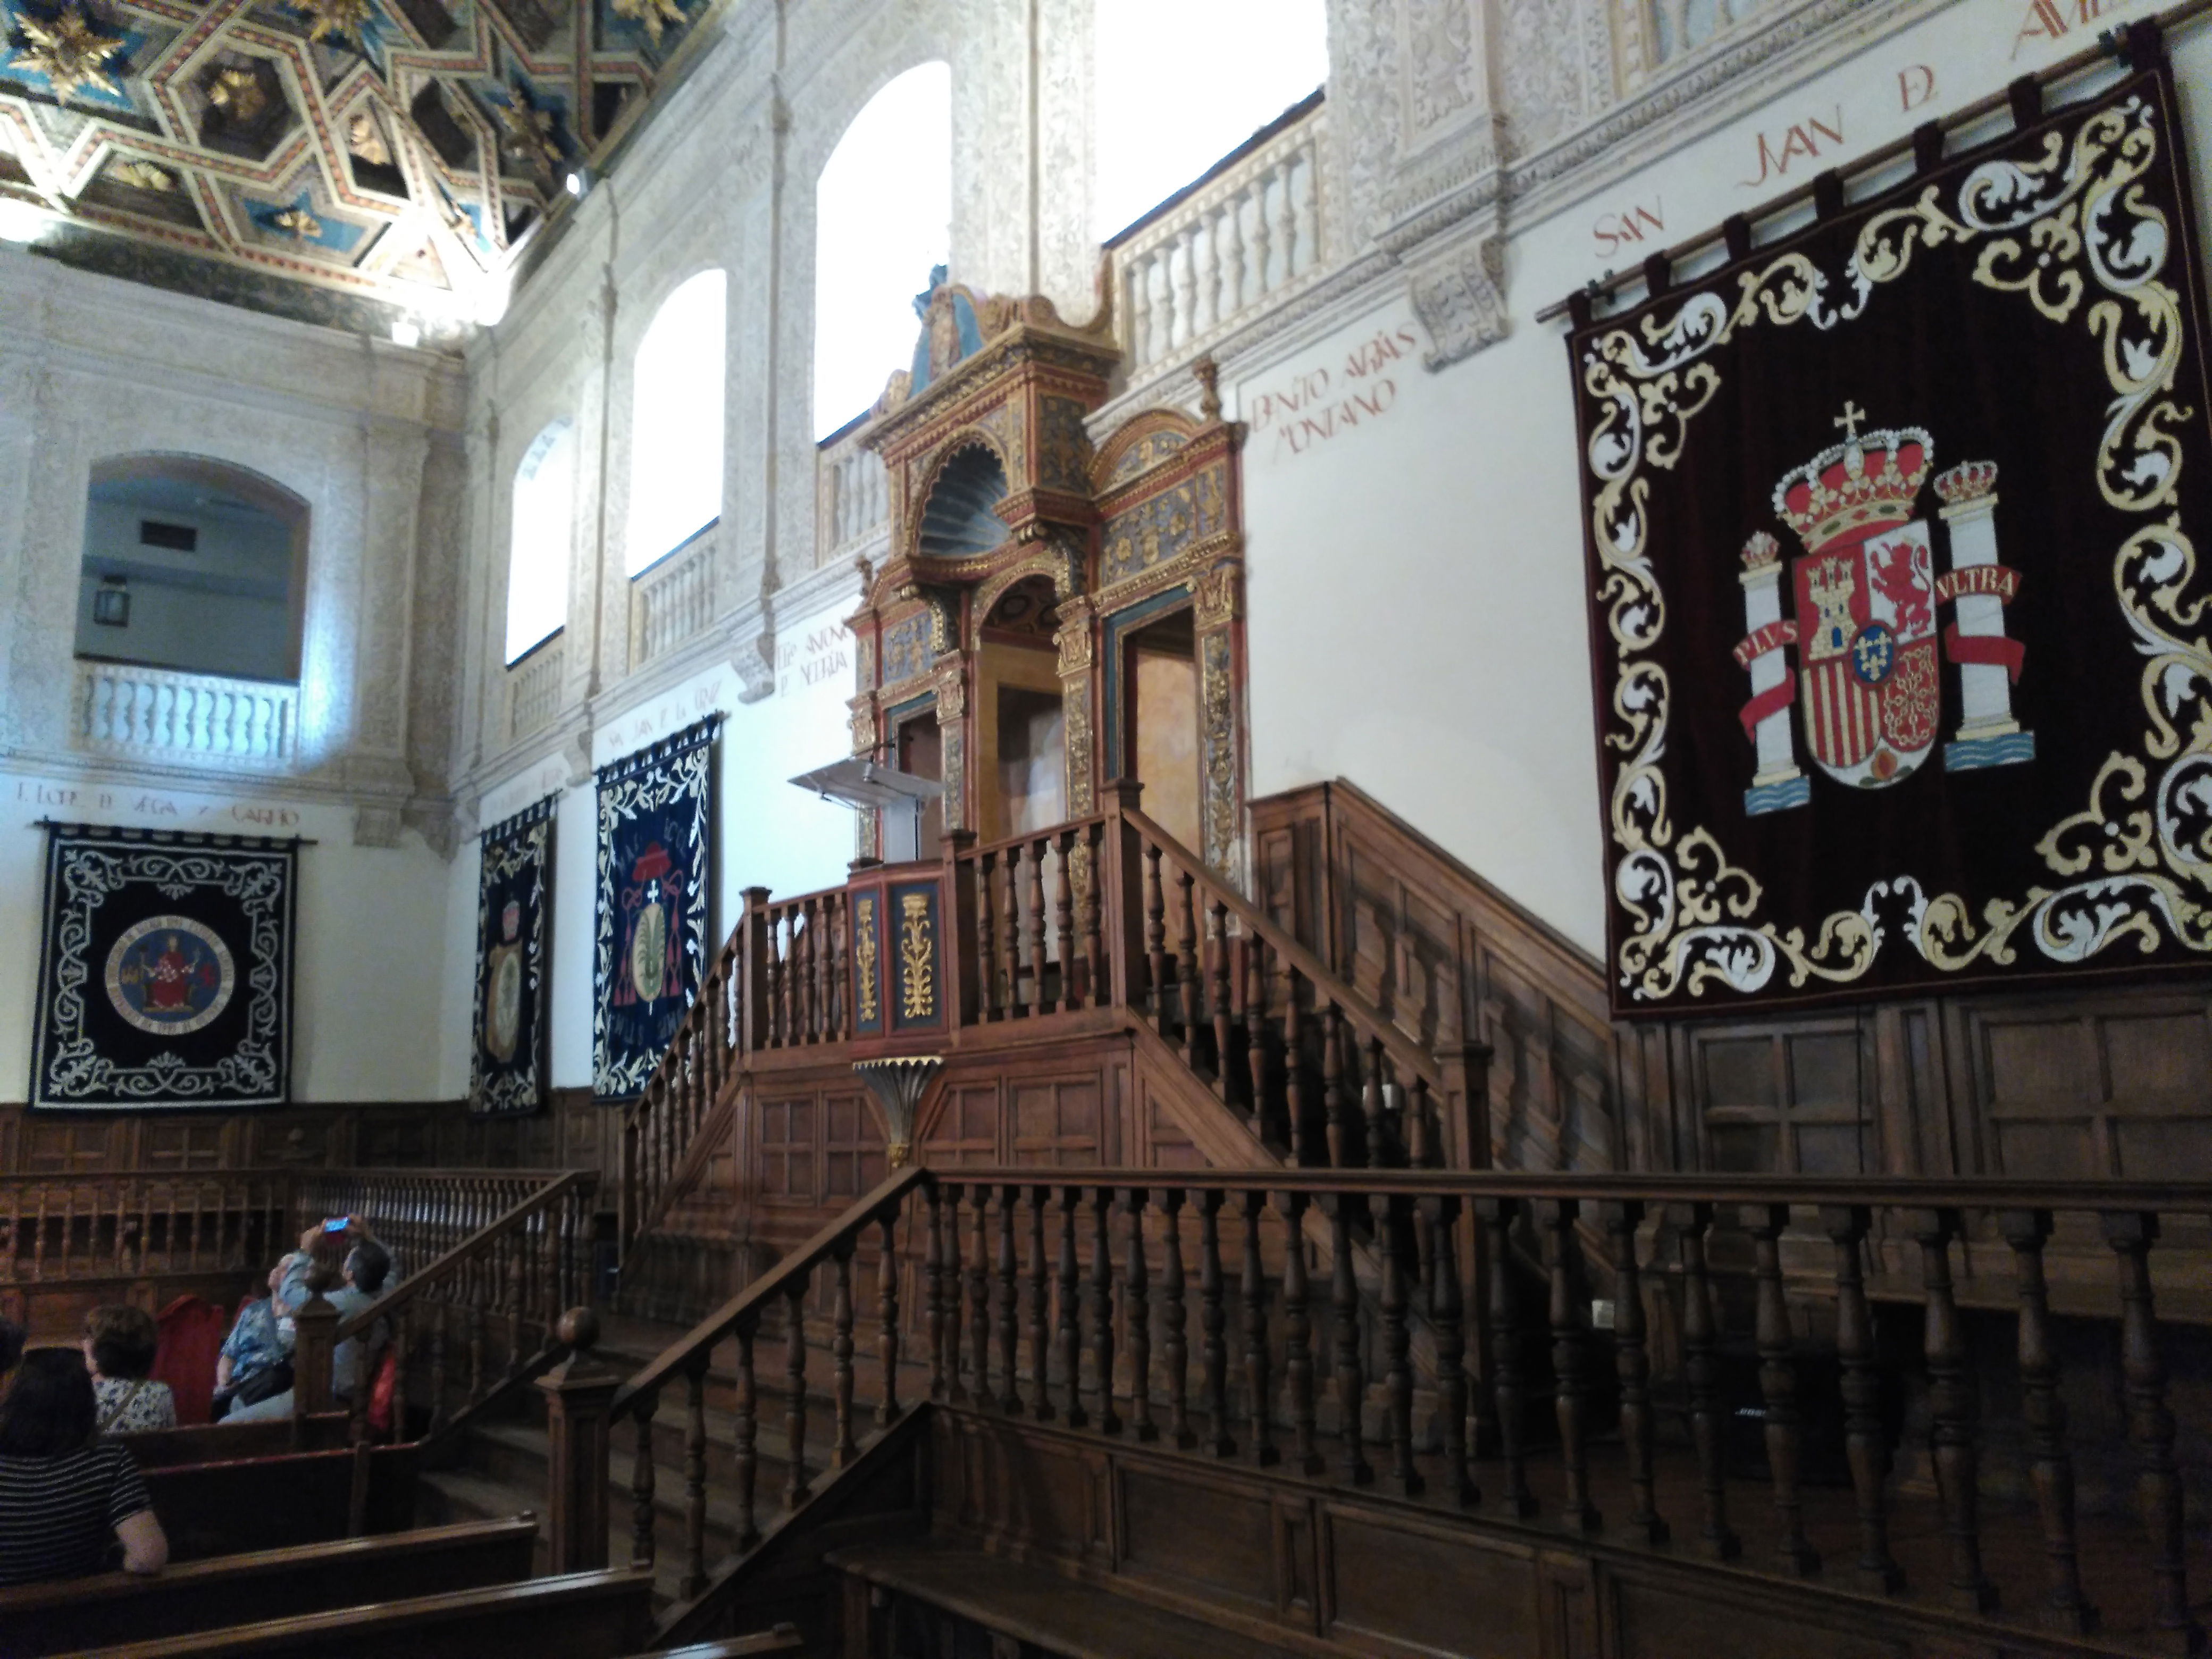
437,1369
1192,1010
1392,1240
1097,991
887,1314
1137,1317
794,1382
979,1300
987,935
1370,1099
1256,1366
1156,940
1777,1387
1344,1303
1255,1033
1039,1003
1332,1080
932,1293
640,1483
695,1479
1297,1333
809,923
1447,1318
786,933
1570,1363
840,1353
1496,1215
1212,1325
2150,1425
1063,920
1176,1339
949,1281
1701,1370
1217,928
1294,1088
1101,1308
1865,1446
1009,1313
1012,864
2051,1467
1951,1396
745,1428
1041,1405
1632,1364
1069,1331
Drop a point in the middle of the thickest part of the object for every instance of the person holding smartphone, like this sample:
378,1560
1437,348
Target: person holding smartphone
349,1280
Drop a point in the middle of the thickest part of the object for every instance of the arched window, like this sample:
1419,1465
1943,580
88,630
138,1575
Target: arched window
676,425
1163,117
544,511
193,564
883,218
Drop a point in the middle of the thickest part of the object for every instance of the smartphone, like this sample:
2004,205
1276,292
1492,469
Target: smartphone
337,1224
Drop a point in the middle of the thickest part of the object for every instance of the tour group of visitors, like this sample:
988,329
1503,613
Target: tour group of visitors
70,1492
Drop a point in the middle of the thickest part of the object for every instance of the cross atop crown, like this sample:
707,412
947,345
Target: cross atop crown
1850,419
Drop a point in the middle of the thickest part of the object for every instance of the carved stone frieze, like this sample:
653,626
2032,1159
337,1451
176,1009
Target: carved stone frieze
1458,292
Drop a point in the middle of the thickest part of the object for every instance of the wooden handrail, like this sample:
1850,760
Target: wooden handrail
1400,1048
695,1344
1029,837
419,1284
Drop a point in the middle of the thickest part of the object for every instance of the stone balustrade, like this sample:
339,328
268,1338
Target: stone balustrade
157,714
1240,242
673,600
533,688
852,512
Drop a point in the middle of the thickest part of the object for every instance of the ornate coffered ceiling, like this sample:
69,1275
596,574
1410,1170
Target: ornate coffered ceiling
393,154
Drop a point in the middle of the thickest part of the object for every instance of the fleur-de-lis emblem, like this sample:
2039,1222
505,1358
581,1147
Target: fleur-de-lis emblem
69,52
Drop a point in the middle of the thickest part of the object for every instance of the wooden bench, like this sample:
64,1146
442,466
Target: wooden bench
36,1619
582,1615
237,1505
1061,1615
215,1443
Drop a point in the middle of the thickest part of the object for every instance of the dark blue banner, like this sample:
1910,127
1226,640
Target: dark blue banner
507,1077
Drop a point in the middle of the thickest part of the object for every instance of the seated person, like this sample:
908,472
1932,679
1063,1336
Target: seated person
67,1496
255,1362
119,1343
363,1274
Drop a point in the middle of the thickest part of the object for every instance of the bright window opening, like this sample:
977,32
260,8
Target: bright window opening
543,539
676,427
883,218
1163,117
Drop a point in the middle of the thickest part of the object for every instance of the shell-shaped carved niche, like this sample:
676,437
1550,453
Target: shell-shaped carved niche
957,521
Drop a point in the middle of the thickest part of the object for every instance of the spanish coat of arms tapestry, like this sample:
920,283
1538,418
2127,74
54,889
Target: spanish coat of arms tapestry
166,977
514,919
1904,677
655,827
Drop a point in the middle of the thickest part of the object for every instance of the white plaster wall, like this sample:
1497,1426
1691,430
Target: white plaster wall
1416,617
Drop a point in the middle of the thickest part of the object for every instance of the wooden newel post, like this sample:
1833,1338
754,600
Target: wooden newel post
316,1325
1122,885
752,973
578,1393
965,966
1465,1108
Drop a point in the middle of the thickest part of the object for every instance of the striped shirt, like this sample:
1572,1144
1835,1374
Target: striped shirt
58,1515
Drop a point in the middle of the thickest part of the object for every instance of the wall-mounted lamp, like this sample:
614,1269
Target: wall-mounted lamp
111,603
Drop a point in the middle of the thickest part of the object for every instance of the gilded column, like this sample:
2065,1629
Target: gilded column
1078,651
1219,597
952,731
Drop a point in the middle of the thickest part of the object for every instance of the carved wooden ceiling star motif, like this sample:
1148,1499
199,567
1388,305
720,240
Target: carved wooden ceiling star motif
326,18
366,140
144,175
69,52
528,135
654,15
237,93
299,222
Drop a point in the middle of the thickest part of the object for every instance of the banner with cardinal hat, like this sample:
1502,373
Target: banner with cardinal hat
655,828
167,976
1899,626
514,915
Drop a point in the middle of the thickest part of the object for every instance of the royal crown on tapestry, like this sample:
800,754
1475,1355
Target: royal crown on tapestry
1901,673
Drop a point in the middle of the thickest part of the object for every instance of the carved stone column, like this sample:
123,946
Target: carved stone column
952,733
1077,640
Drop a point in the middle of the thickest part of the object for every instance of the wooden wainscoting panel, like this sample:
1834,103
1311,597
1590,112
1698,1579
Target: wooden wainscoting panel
1649,1619
853,1158
1403,1590
1057,1119
71,1145
1212,1538
788,1156
1036,1496
1791,1098
965,1128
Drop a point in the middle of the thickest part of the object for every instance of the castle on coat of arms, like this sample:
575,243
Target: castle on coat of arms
1865,598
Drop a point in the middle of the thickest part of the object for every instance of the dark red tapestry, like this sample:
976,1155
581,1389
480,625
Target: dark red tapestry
1902,651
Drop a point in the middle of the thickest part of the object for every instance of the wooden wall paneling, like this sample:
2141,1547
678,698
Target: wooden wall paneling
1793,1098
1405,1589
855,1159
1058,1118
1647,1617
1212,1540
967,1127
788,1159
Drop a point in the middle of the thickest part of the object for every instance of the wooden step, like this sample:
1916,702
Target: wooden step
1033,1605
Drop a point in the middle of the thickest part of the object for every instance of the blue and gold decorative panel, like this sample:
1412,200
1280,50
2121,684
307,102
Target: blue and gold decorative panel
867,962
917,956
906,651
1155,530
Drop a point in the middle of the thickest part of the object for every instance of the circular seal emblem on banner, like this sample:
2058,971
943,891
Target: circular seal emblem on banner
170,976
503,1007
